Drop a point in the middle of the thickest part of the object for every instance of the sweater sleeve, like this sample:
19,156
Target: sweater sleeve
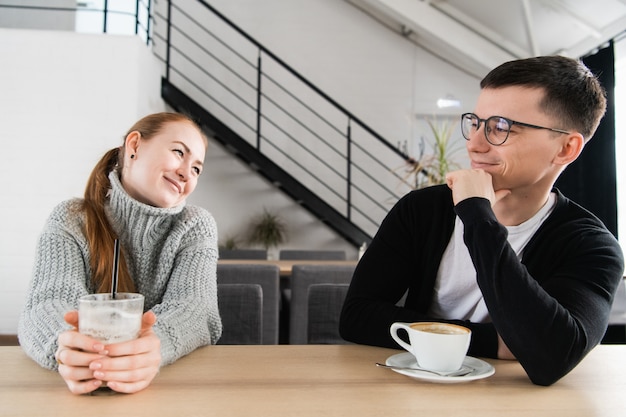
188,316
58,280
552,307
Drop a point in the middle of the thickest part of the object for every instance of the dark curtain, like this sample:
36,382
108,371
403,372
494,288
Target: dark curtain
591,179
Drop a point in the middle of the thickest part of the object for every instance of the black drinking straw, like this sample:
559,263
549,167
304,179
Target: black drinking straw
116,262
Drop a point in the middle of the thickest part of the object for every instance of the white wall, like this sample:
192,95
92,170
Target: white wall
620,132
66,98
18,17
382,78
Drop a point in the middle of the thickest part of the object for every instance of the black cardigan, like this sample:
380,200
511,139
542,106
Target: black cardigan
550,309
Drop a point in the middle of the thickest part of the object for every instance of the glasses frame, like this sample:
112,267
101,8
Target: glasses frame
509,122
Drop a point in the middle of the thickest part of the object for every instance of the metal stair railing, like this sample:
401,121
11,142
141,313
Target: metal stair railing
269,115
240,86
126,17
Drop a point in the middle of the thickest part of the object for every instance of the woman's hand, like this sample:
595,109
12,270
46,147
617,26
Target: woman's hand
131,366
85,363
74,355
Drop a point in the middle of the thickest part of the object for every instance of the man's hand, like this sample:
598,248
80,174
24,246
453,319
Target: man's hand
469,183
503,350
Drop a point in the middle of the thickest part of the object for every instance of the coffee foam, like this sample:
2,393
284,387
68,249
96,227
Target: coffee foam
440,328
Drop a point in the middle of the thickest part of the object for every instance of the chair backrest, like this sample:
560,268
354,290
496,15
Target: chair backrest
267,276
302,277
616,331
325,304
325,255
618,309
241,309
243,254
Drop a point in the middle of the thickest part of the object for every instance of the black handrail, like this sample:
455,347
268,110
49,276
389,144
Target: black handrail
324,147
200,53
303,79
105,11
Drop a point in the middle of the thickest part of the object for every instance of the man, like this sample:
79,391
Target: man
498,249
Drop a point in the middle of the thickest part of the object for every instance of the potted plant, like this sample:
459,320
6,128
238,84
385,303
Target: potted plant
431,169
230,243
268,230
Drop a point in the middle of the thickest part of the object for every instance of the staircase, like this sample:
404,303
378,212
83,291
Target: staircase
275,120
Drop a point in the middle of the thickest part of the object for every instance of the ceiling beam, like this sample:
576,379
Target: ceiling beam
590,44
441,34
528,24
503,42
562,7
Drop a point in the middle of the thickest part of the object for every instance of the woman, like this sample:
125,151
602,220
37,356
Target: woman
136,193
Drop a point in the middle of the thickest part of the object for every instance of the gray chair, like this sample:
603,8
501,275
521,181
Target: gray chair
325,304
616,331
243,254
241,309
268,278
326,255
302,278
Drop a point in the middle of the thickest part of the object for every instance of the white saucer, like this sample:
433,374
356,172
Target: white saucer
481,370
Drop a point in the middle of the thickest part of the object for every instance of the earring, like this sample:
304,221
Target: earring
132,156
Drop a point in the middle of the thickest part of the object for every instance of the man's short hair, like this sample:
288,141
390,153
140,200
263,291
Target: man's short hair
573,94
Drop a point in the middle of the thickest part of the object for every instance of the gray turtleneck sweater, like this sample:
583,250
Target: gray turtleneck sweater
171,255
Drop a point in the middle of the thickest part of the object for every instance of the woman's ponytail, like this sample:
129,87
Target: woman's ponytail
98,230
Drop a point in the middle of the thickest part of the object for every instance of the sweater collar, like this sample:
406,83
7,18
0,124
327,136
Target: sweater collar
147,223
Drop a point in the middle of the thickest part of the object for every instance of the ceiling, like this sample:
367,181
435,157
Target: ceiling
477,35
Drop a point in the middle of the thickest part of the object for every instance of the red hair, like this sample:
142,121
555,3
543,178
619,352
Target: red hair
98,231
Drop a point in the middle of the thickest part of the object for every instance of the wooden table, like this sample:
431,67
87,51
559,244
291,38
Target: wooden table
284,265
309,380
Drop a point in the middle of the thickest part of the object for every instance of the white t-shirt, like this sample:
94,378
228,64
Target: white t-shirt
457,296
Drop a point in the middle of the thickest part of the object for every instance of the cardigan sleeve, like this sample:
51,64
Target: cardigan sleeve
552,307
401,263
380,279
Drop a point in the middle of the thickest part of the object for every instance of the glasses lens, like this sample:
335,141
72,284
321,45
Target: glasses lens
497,130
469,124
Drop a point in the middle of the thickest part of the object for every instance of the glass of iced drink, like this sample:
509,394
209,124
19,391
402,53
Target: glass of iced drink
110,320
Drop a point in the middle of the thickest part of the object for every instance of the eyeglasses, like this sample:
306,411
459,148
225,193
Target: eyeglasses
496,129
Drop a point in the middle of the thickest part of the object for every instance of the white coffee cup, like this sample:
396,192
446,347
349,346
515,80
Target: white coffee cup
436,346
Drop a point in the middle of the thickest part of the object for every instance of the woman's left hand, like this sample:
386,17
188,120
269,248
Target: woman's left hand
131,366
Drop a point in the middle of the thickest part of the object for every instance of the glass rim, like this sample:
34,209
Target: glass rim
106,296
